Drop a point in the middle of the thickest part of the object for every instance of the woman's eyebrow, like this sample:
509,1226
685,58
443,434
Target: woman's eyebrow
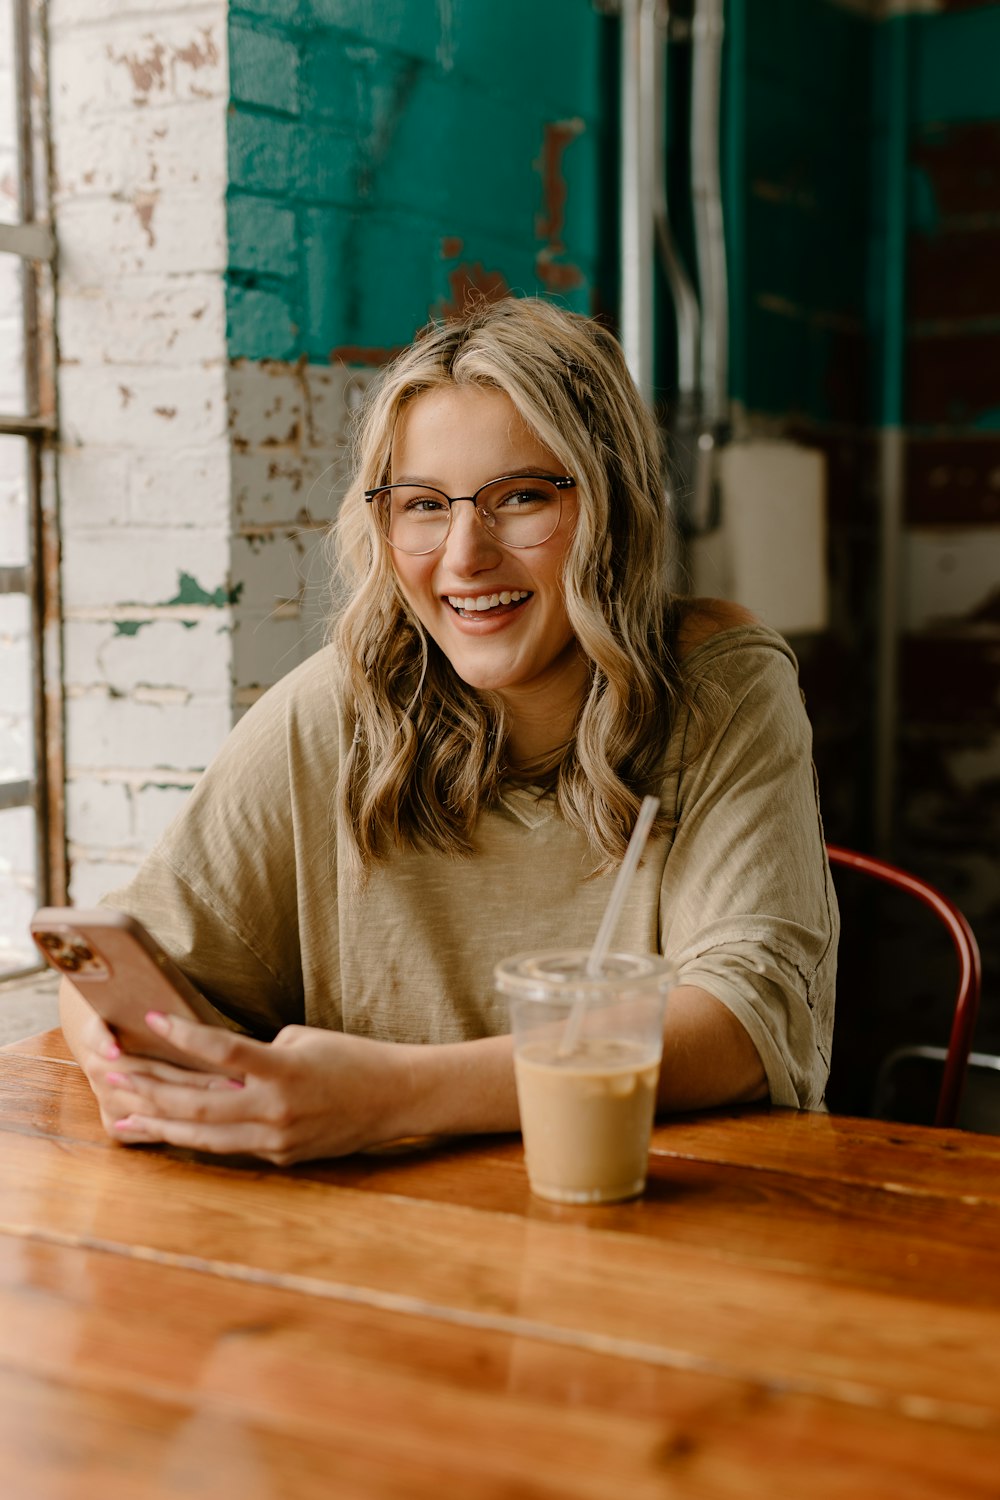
542,470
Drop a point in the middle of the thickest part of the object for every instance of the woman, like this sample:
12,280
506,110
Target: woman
453,780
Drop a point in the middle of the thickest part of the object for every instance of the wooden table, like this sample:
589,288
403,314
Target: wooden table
800,1306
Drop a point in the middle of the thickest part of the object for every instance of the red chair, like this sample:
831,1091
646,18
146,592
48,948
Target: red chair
970,969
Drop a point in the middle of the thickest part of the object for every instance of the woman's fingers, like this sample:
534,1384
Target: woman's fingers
165,1072
239,1139
225,1051
222,1104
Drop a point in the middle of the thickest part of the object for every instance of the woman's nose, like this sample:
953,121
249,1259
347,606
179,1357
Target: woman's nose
469,548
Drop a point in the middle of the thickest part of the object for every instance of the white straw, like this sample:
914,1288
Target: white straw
595,959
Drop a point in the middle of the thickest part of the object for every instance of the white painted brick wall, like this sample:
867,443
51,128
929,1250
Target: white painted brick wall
173,57
161,652
147,564
193,489
104,239
179,732
140,407
147,321
139,100
182,479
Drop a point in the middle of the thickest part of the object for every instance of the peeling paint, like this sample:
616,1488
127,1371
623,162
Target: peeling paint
155,69
130,627
471,284
557,275
144,204
190,591
361,354
445,51
147,72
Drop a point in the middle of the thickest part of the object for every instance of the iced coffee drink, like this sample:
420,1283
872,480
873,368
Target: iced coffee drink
586,1061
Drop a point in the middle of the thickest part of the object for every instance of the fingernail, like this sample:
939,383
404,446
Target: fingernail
116,1077
157,1021
234,1083
124,1124
111,1050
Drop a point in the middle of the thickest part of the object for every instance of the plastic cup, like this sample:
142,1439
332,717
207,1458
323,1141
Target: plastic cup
586,1094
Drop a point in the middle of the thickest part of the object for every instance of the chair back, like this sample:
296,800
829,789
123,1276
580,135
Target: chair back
965,1005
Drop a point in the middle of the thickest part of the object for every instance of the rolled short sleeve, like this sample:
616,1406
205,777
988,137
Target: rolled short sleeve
748,911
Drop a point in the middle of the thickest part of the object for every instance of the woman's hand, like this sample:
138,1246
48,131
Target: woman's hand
113,1074
309,1093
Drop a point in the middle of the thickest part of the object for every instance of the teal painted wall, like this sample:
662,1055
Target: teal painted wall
385,156
953,123
795,166
835,127
956,66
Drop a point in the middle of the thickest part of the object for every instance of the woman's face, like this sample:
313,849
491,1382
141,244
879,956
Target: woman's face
456,439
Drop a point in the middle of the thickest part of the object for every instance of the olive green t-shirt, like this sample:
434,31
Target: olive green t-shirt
246,892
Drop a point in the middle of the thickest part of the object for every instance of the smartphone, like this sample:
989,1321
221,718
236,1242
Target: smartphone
120,969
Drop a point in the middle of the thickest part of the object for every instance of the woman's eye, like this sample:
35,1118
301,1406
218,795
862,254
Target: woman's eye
424,505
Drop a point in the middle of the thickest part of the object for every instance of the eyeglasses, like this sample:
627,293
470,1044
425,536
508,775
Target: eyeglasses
519,510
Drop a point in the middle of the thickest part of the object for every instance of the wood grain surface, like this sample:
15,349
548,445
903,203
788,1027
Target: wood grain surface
799,1304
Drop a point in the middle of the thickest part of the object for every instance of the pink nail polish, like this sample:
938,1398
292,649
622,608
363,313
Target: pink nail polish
116,1078
234,1083
124,1124
157,1021
111,1050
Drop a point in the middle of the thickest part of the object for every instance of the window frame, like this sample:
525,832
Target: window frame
32,241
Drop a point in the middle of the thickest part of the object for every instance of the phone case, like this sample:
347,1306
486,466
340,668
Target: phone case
121,970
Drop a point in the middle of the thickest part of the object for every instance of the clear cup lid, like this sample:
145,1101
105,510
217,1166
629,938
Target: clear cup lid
563,971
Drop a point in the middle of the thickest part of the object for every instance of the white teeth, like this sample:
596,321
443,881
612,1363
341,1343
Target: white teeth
472,605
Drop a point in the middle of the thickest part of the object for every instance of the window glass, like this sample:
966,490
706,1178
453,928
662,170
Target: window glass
13,499
8,117
17,888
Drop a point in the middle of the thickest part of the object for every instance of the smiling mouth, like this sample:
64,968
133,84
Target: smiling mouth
477,607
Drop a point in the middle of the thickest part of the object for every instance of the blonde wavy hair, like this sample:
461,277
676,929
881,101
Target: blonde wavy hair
429,751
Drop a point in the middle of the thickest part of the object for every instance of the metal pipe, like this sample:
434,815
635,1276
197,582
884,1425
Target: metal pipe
891,440
638,116
707,28
685,299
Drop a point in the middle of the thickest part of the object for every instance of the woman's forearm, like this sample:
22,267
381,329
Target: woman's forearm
313,1093
708,1057
457,1088
468,1087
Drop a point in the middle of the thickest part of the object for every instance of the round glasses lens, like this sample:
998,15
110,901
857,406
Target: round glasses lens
413,517
521,512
